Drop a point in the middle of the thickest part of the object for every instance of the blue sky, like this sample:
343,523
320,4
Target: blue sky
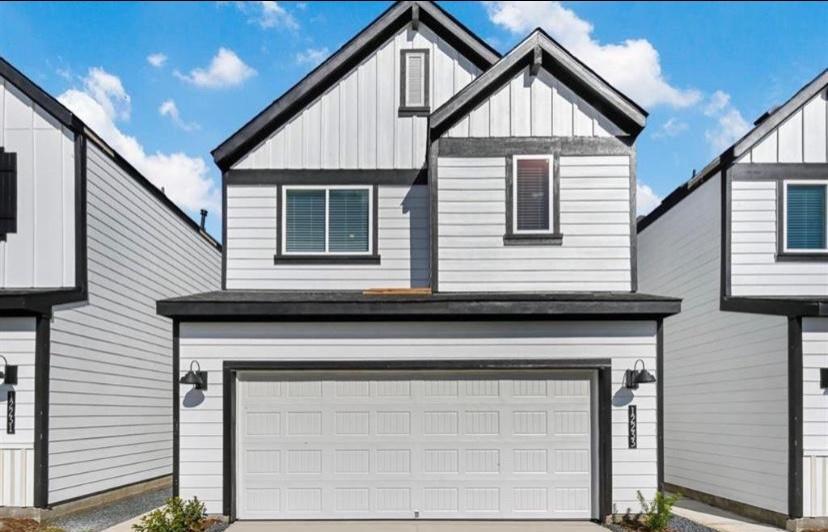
704,71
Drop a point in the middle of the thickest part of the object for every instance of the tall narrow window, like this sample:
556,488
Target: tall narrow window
327,220
805,217
532,195
8,192
414,81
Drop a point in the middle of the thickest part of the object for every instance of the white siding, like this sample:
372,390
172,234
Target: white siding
534,106
17,344
110,396
355,124
800,138
212,343
595,223
251,245
815,417
725,374
754,268
42,252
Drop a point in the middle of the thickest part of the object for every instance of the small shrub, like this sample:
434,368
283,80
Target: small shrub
176,516
656,515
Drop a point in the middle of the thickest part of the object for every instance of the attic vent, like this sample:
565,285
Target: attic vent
8,192
414,80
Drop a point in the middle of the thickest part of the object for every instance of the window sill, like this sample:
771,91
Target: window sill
547,239
326,259
414,111
814,256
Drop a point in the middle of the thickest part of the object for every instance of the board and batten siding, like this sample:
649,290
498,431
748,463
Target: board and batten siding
41,254
403,234
754,268
534,106
725,373
356,123
110,418
814,418
17,344
595,223
213,343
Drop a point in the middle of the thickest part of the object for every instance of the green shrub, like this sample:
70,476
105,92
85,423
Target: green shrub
176,516
656,514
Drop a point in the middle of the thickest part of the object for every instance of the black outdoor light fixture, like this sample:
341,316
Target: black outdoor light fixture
634,377
823,378
195,377
9,373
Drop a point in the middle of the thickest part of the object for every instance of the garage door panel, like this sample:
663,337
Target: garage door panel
393,445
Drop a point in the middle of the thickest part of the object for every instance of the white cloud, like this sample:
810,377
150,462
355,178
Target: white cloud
312,56
226,70
157,60
671,128
168,108
645,199
716,103
730,127
184,179
633,66
268,14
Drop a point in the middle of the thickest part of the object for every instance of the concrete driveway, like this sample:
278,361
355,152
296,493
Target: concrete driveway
415,526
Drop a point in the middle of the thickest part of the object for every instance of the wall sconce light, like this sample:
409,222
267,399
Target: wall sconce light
9,373
634,377
823,378
195,377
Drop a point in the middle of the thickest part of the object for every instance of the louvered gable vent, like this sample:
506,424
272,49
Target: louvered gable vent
415,80
8,192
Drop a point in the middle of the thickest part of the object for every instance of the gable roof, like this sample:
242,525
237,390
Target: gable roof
72,122
539,49
766,123
343,60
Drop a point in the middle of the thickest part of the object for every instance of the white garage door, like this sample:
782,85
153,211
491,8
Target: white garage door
405,445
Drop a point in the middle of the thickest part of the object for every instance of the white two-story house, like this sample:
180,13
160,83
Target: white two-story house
745,373
87,246
429,306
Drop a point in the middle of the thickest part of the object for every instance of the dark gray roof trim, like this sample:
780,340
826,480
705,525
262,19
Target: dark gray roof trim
555,58
778,306
70,120
776,117
33,301
293,305
330,71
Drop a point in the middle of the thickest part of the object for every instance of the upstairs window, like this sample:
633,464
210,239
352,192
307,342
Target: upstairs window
327,220
806,218
532,195
414,81
8,193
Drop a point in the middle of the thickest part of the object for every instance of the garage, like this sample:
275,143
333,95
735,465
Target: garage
430,444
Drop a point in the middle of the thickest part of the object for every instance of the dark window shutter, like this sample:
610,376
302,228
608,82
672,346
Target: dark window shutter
8,192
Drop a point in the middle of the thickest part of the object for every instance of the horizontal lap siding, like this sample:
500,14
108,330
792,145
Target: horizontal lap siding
17,344
725,384
111,411
355,123
754,268
42,251
211,344
814,417
251,245
595,222
534,106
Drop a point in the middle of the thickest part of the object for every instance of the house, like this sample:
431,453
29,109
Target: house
87,246
745,385
429,305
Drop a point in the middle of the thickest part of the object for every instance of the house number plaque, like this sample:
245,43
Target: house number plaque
633,427
11,410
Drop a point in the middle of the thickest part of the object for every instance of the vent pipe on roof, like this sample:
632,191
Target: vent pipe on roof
203,218
765,115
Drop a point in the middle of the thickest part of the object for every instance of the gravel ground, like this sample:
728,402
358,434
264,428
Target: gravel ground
677,524
106,516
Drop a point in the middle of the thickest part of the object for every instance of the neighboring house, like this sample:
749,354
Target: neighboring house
743,243
429,302
87,246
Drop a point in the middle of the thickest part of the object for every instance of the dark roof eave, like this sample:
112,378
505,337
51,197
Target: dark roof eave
37,301
777,306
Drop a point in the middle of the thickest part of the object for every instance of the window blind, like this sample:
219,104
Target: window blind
806,217
8,192
348,221
415,82
305,221
532,194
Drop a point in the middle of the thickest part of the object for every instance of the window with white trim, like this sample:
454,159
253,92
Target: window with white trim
532,194
414,80
327,220
805,216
